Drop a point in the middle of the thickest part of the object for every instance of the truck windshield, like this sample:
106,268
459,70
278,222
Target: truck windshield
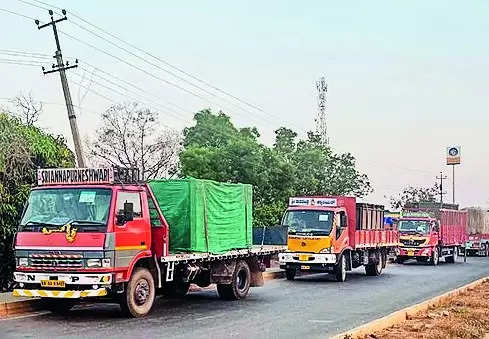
87,208
318,222
414,226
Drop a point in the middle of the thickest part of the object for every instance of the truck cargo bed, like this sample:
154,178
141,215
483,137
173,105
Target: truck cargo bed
241,253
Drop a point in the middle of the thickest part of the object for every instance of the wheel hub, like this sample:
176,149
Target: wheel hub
141,292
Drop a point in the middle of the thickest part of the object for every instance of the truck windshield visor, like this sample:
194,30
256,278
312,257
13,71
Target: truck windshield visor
317,222
414,226
85,208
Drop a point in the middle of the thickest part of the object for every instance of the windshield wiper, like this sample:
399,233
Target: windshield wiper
88,222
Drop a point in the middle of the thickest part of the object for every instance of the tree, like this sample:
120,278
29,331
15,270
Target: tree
23,148
26,108
414,194
132,137
215,149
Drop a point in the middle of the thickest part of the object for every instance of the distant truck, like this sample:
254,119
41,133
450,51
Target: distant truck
429,232
478,229
100,233
335,234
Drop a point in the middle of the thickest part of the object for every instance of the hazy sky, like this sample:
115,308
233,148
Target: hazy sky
405,79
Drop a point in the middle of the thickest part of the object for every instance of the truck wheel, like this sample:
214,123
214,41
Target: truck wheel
453,258
240,285
376,268
340,269
139,295
175,289
487,250
435,257
290,273
58,306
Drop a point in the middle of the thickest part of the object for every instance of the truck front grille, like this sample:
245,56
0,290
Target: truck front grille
413,243
56,260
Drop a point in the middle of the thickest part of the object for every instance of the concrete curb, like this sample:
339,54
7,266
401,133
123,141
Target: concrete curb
404,314
15,308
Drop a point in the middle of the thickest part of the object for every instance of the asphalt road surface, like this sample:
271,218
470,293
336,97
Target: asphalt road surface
312,306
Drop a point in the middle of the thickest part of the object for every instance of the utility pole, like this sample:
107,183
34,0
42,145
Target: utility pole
321,126
441,178
61,67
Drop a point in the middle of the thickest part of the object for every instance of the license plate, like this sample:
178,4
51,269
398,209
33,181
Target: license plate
304,257
304,267
52,283
411,253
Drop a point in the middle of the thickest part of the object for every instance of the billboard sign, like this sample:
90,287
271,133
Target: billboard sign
453,155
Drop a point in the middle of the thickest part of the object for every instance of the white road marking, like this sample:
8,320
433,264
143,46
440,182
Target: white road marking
320,321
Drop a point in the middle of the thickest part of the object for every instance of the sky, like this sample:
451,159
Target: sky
405,79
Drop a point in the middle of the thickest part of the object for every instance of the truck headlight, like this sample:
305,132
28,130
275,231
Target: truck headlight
23,262
325,250
94,263
106,262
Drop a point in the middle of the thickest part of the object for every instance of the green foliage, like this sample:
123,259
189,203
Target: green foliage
215,149
23,148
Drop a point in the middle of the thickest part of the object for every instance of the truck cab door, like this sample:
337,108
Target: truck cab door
133,236
341,234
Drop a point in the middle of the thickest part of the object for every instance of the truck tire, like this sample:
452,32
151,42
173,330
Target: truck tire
290,273
435,257
453,258
375,269
139,294
58,306
340,269
240,285
175,289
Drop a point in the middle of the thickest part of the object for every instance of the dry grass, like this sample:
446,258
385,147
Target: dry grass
464,316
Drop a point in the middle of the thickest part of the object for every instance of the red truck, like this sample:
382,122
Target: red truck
478,229
335,234
100,233
429,232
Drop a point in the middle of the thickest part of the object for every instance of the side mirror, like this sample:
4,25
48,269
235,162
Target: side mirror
127,214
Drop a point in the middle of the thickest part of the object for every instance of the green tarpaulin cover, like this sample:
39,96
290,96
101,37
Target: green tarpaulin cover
204,215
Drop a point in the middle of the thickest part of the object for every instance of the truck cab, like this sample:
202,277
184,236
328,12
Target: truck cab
419,237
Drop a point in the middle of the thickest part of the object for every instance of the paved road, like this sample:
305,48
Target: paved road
312,306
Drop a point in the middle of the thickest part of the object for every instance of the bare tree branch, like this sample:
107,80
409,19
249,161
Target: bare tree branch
131,137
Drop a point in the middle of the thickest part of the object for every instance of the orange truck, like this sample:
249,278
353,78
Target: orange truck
335,234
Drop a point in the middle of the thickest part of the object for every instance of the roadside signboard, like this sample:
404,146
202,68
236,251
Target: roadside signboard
453,155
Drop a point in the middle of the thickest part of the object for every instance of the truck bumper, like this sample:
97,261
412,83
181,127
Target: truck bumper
312,262
100,292
408,252
71,285
308,267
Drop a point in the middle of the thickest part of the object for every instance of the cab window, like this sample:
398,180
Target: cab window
134,197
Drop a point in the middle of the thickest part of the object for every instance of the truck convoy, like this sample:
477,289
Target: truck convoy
101,233
478,229
335,234
429,232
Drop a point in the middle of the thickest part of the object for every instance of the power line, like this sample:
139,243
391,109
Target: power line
125,95
163,69
159,59
15,13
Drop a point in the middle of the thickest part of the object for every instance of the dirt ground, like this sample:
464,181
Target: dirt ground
463,316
